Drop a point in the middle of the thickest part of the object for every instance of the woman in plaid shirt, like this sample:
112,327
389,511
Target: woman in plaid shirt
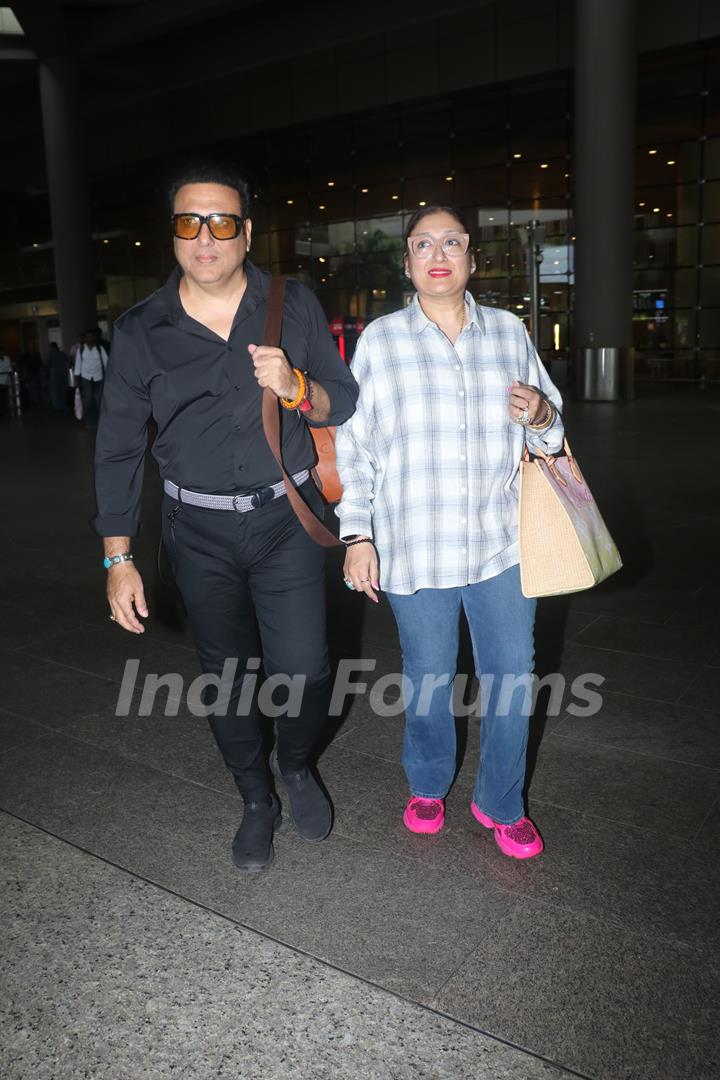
450,393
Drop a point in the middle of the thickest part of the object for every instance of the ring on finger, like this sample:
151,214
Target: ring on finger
523,416
348,583
113,619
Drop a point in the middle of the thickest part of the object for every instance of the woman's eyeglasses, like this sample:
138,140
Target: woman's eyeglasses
221,226
453,244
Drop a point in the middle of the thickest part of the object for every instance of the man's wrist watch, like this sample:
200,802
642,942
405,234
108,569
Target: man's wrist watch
114,560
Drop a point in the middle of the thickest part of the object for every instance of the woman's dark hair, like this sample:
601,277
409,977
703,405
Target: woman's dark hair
425,210
208,172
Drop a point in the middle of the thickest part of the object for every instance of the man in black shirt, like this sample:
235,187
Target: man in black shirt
189,356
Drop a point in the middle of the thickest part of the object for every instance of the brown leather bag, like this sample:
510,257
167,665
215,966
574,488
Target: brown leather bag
271,426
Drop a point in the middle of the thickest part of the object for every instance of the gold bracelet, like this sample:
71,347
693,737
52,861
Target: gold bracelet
288,403
548,420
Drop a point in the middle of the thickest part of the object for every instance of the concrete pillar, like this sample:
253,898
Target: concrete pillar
605,92
69,196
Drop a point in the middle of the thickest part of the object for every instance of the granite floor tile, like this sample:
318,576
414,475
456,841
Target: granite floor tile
661,642
51,693
639,791
108,976
607,1002
625,673
342,901
653,728
633,600
700,611
704,691
104,652
16,730
181,745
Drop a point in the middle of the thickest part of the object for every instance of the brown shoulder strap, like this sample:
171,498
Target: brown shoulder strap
271,421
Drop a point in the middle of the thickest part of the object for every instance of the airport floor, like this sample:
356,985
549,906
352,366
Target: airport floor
134,950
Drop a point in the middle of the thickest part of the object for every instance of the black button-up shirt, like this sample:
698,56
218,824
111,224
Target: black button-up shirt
204,397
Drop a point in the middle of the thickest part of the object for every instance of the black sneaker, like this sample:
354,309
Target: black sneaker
252,848
310,808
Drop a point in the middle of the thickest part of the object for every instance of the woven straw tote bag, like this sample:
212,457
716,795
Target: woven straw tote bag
565,545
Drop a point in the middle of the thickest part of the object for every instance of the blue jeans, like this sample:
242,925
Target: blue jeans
501,623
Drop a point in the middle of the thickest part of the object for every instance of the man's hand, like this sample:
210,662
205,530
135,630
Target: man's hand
272,369
125,589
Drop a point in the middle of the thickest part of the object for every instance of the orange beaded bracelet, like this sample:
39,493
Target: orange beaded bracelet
295,402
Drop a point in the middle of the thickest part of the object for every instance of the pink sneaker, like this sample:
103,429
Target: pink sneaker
424,815
520,840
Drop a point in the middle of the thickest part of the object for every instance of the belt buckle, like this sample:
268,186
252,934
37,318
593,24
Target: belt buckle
235,498
261,496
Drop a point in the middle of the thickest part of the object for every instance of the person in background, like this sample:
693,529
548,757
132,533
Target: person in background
58,364
31,371
5,377
90,363
450,395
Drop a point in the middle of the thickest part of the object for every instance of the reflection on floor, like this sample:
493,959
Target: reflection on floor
133,947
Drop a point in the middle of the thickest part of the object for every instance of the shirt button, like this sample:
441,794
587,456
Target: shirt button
237,387
463,520
240,468
457,367
461,393
462,457
462,427
463,551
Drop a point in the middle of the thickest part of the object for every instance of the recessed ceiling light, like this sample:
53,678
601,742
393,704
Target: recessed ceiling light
448,177
321,206
651,152
364,190
394,196
290,202
331,183
544,166
672,162
422,203
138,243
517,156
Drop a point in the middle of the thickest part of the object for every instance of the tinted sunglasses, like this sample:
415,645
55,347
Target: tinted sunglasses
221,226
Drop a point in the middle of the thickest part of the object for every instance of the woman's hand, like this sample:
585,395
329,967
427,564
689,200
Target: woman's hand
526,404
361,569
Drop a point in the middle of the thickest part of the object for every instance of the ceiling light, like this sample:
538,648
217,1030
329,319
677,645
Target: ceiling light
641,204
364,190
668,215
423,203
321,206
290,202
491,219
656,209
651,152
331,183
36,245
106,241
672,162
448,177
321,258
544,166
138,243
394,196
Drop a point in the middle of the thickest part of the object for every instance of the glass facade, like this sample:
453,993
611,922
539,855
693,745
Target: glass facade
331,201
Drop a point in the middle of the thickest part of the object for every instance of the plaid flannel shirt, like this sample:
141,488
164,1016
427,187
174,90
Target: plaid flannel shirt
430,459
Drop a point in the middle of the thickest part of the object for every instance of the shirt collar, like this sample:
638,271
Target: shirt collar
418,320
167,298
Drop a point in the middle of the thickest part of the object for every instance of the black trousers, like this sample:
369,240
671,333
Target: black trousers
254,584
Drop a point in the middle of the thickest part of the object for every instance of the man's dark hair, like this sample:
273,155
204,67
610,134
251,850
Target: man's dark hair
208,172
426,210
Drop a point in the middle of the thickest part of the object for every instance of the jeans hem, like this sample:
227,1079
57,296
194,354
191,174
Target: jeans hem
418,795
